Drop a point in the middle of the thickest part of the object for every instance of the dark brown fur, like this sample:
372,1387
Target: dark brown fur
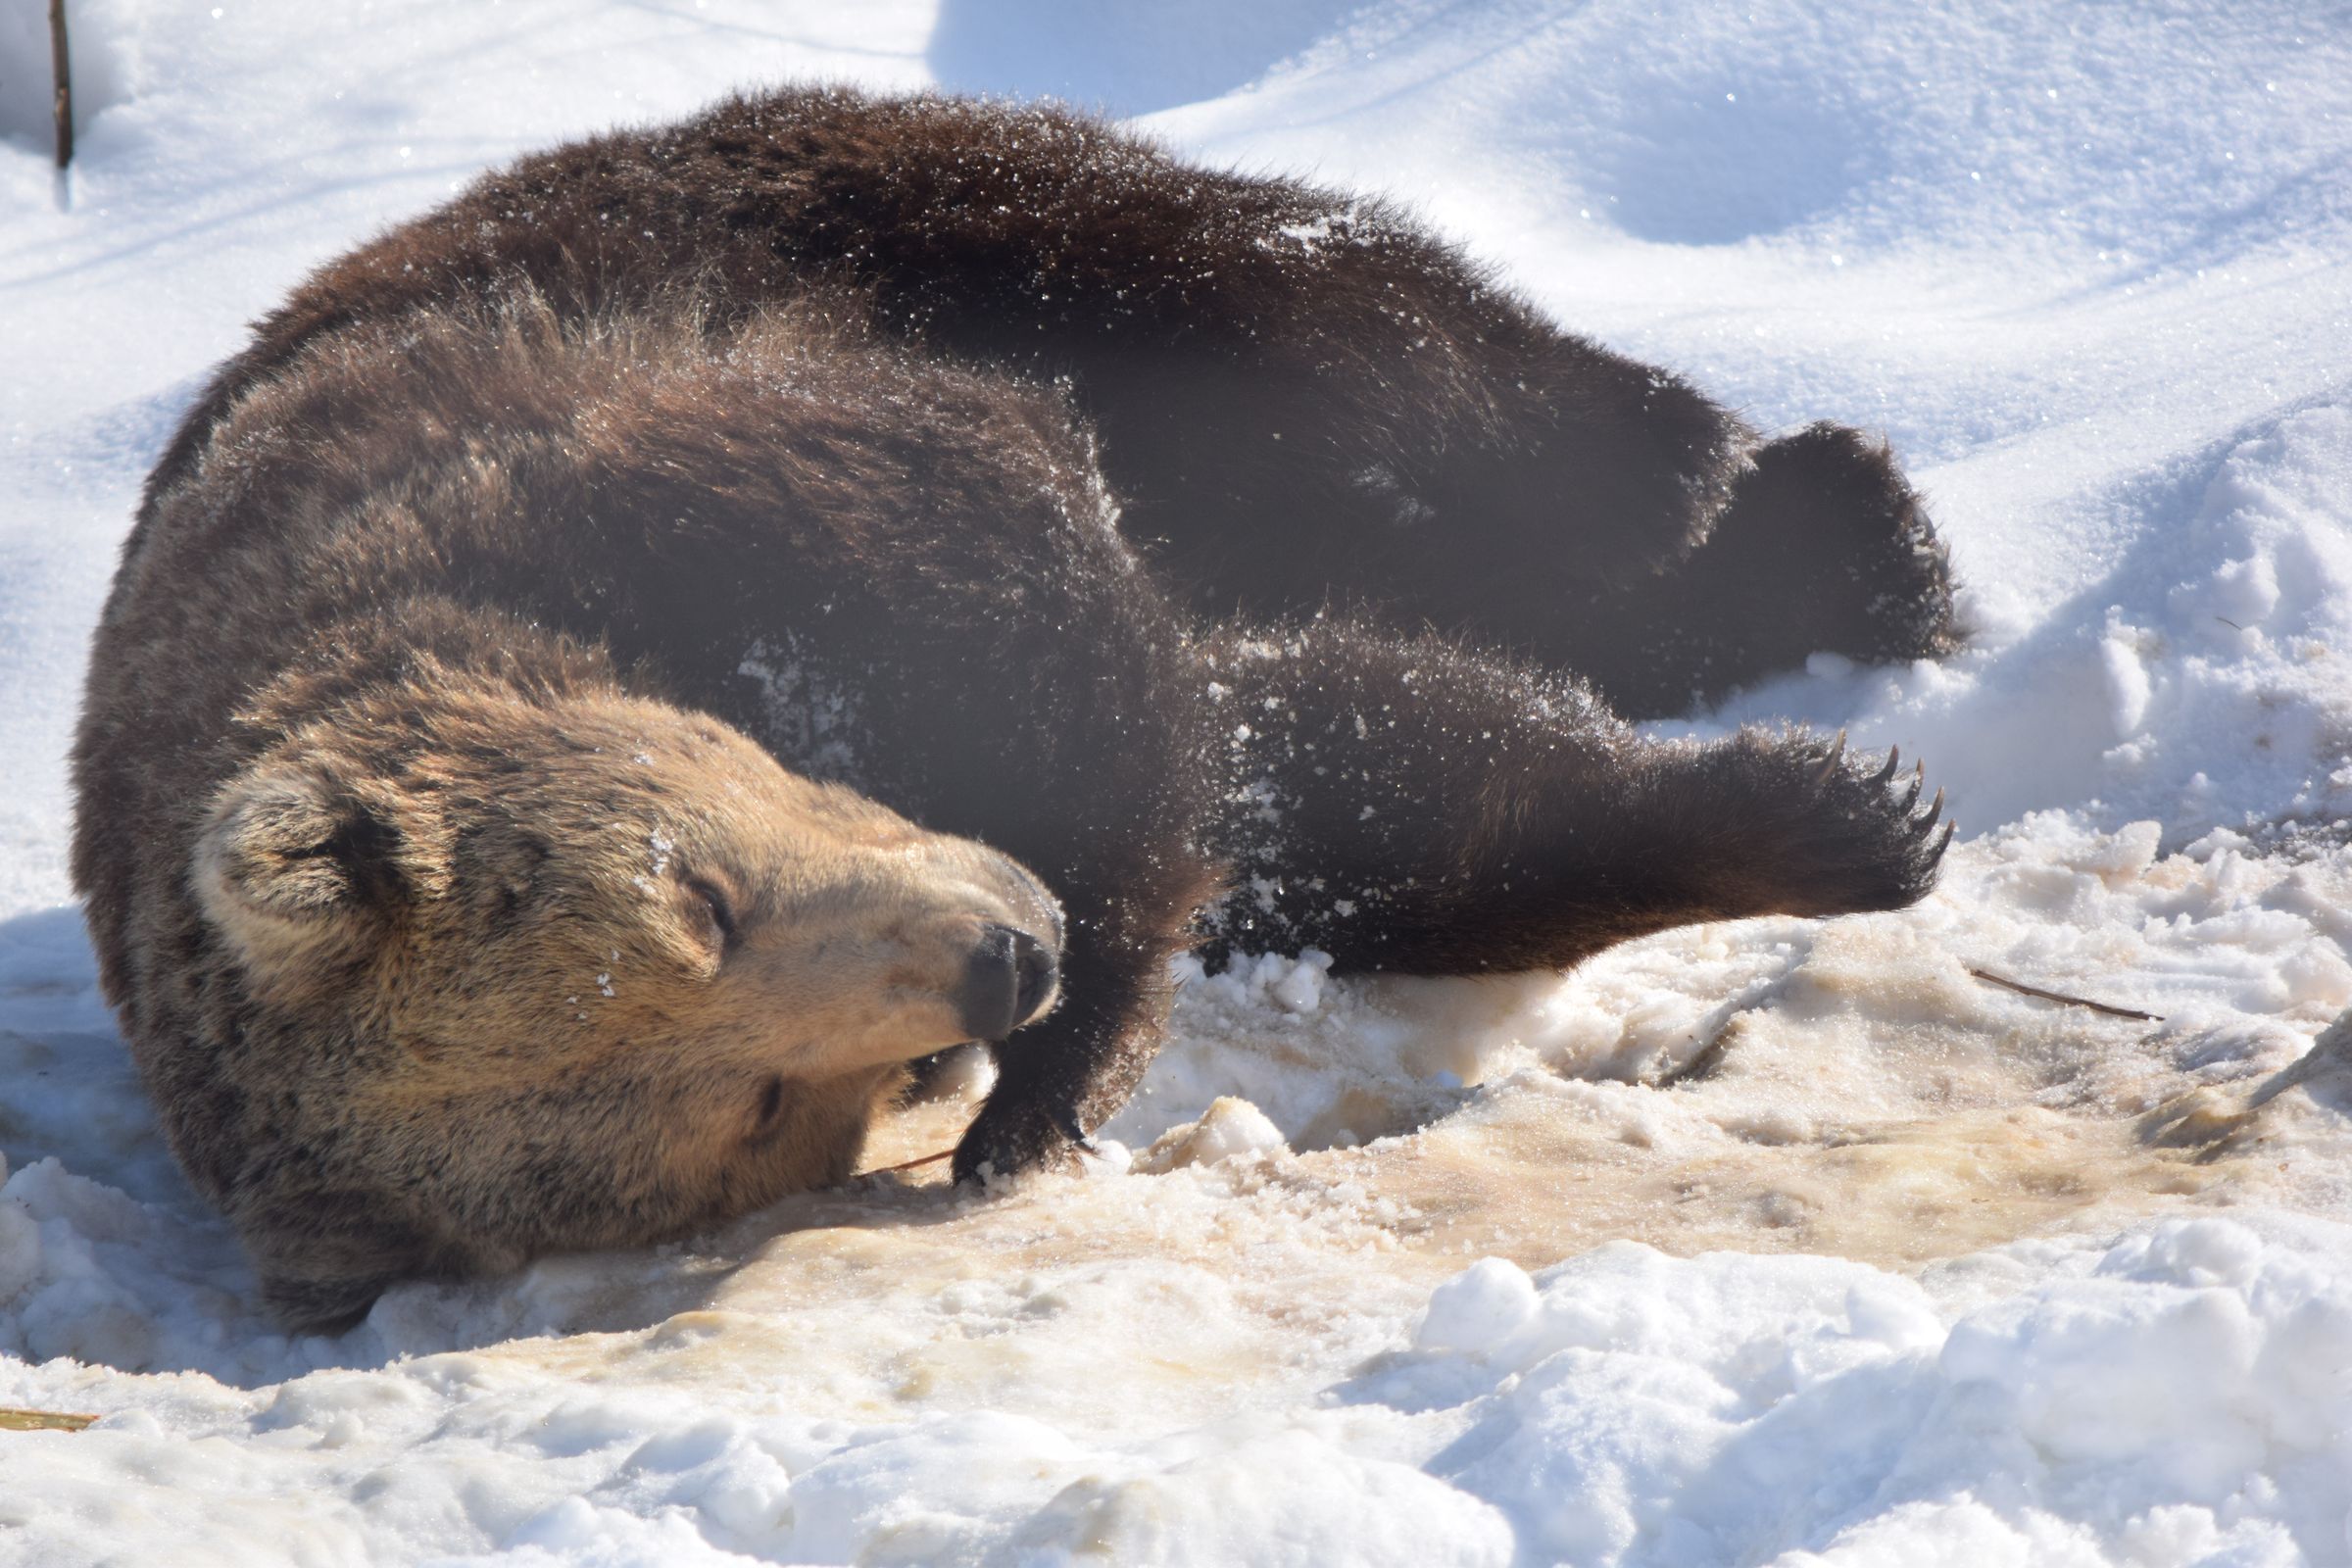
811,422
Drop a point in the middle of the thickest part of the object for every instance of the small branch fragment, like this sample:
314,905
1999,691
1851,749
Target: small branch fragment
2023,990
909,1164
1704,1062
41,1420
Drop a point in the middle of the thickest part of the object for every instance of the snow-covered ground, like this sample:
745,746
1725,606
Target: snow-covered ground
1762,1242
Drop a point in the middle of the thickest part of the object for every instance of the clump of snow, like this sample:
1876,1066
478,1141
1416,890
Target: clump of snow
1776,1241
1481,1309
1229,1129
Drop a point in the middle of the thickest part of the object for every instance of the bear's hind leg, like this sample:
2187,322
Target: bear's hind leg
1410,807
1824,548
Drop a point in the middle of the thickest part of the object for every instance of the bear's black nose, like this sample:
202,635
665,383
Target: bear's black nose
1008,978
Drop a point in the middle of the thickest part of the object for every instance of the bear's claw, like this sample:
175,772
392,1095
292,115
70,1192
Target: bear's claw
1834,762
1012,1137
1841,835
1919,779
1927,824
1067,1121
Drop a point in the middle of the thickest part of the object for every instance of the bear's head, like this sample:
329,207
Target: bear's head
521,974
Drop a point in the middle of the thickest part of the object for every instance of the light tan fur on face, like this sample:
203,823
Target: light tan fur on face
525,910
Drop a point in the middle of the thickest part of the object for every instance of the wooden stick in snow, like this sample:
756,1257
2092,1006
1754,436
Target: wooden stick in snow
62,71
42,1420
2023,990
909,1164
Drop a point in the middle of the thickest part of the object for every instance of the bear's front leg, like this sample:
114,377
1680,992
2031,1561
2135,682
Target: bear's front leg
1411,807
1065,1075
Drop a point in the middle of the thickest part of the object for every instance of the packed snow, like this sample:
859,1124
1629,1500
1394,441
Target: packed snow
1776,1242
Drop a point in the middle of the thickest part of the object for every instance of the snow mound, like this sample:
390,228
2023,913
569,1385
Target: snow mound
1122,58
1629,1407
1996,126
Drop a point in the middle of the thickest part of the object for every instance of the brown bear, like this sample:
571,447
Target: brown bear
626,662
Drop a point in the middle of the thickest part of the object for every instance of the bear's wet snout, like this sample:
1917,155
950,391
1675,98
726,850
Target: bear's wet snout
1007,980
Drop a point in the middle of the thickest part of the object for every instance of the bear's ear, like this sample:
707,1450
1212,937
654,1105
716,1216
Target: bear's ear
299,870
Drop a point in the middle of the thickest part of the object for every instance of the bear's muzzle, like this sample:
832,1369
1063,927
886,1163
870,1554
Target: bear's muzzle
1007,982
